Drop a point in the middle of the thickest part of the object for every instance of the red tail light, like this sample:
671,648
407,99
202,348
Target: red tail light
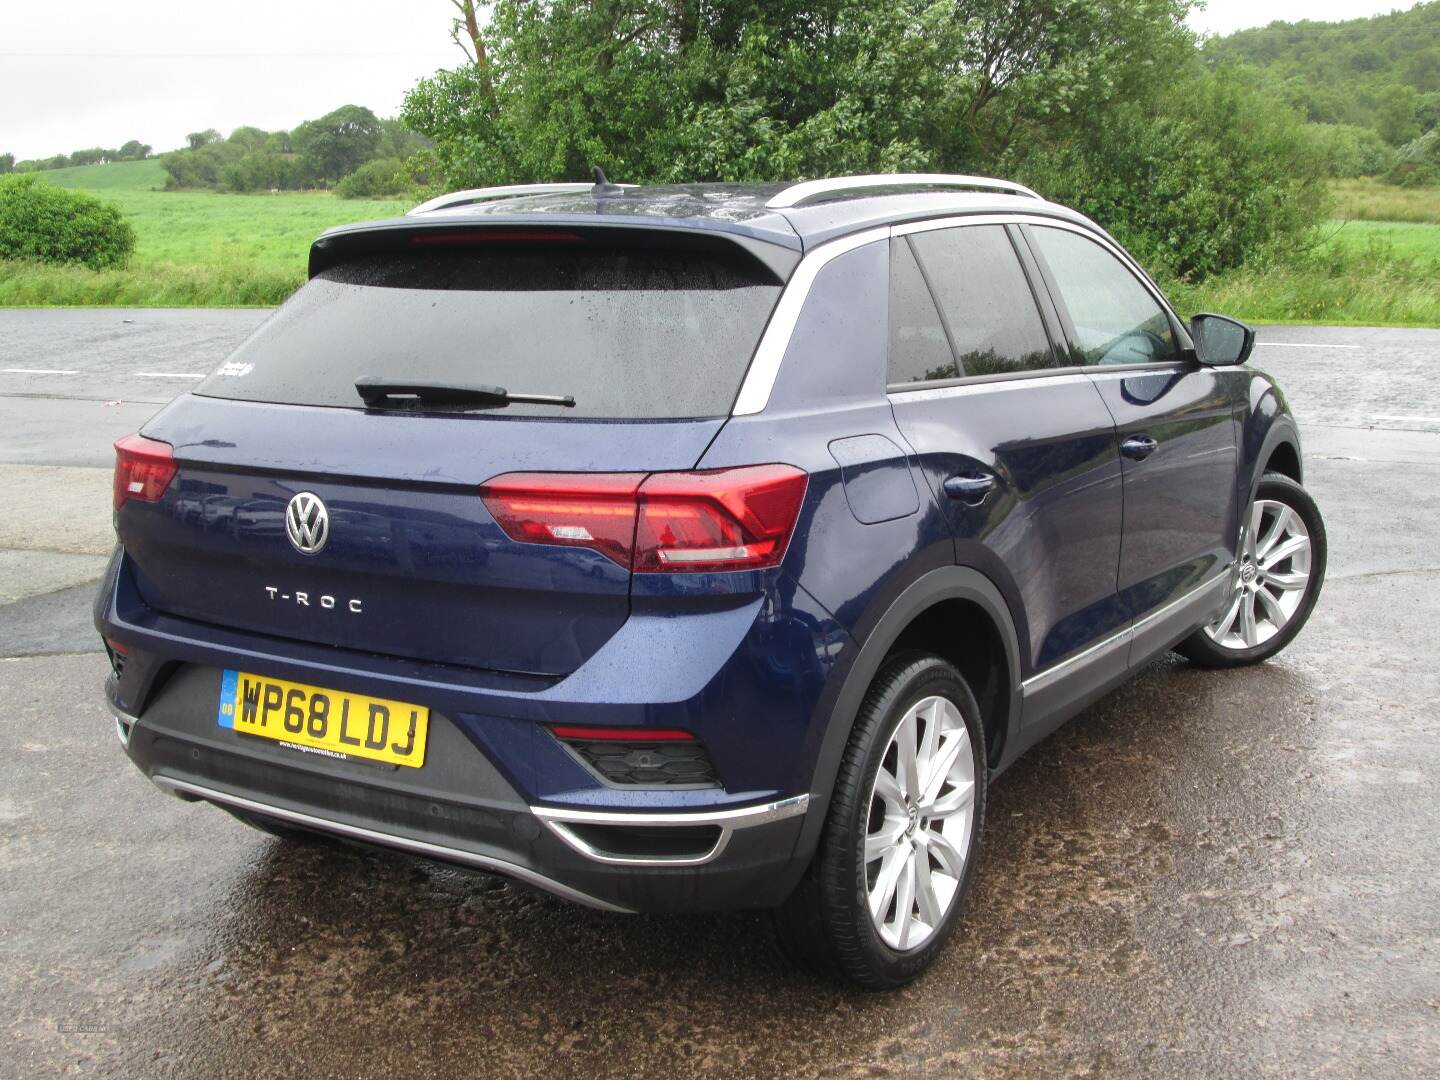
143,469
687,522
591,510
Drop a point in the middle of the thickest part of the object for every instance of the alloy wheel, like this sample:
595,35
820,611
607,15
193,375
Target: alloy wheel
1271,579
920,823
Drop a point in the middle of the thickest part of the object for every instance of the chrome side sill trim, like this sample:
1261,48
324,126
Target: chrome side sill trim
415,847
557,819
1044,678
1101,648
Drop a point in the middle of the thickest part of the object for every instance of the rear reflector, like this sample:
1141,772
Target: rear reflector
143,469
684,522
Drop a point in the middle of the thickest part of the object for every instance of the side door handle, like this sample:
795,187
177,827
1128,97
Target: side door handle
1139,447
970,488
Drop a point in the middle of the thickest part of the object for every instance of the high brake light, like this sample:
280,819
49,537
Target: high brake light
143,469
683,522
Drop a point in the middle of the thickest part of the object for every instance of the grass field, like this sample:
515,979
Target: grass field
1363,273
192,247
1370,200
1378,263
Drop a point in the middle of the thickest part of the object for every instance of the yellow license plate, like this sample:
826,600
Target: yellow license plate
348,725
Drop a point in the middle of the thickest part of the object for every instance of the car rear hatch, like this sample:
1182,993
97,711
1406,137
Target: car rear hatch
650,335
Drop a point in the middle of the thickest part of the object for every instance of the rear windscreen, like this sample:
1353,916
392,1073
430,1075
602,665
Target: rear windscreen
629,334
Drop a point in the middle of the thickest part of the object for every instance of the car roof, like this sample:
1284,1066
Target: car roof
738,209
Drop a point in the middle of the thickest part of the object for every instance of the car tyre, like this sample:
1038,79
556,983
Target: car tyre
919,824
1271,597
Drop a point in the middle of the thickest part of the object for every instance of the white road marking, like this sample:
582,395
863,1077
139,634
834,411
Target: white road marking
1409,419
38,371
1300,345
167,375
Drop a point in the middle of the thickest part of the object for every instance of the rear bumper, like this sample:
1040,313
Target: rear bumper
459,809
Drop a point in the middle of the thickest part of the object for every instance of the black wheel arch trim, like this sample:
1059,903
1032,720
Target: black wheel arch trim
842,700
1280,432
1265,424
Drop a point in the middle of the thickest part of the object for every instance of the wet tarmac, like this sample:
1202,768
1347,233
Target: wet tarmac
1206,874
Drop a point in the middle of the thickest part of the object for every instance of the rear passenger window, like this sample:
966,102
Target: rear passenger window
986,300
1115,318
919,350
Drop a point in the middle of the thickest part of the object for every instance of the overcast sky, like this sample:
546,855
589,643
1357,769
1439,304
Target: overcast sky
82,73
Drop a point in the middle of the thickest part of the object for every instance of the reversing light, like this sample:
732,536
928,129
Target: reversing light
664,523
143,469
590,510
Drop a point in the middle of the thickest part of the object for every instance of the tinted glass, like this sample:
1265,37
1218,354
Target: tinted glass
1116,319
919,350
986,300
628,334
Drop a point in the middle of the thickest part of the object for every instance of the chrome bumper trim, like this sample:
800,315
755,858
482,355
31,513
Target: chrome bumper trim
124,723
414,847
728,821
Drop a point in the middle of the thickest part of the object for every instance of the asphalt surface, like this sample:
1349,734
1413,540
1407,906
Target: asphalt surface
1206,874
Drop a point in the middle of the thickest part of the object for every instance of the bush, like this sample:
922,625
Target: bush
1349,151
42,222
1418,164
375,179
1214,172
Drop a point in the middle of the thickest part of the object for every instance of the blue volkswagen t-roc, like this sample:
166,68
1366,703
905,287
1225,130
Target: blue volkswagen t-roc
695,547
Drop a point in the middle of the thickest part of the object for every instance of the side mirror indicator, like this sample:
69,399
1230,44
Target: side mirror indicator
1221,341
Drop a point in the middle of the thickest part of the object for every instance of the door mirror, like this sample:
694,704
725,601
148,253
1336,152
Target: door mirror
1221,341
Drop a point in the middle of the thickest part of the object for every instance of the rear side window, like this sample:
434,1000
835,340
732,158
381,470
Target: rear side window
985,299
919,350
630,334
1115,319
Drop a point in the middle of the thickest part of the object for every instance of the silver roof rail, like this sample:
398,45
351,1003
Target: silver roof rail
799,194
485,194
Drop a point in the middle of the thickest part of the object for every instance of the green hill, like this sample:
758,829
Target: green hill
117,176
1381,73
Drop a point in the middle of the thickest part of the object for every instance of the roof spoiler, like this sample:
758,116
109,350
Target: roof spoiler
410,235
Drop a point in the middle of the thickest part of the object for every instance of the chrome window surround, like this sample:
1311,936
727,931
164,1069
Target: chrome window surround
728,821
470,196
765,366
798,194
414,847
1120,639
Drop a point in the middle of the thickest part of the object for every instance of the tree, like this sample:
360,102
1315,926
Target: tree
745,89
95,155
7,163
465,32
340,142
1166,176
134,150
197,139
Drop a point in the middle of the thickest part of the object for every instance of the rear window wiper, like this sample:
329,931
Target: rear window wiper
375,392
